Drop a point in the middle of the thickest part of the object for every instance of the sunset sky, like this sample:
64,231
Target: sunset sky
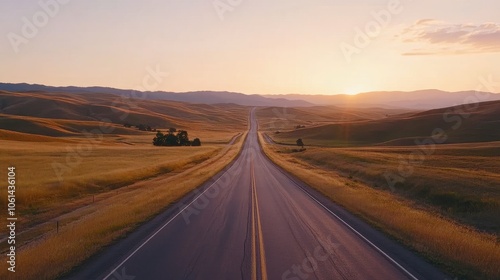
253,46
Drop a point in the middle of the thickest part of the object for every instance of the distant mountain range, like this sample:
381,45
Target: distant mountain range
199,97
417,100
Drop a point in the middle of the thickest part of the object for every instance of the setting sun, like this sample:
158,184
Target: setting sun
353,90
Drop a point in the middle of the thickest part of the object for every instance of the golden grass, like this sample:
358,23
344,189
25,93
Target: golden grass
460,181
112,217
105,166
58,127
455,247
27,137
282,119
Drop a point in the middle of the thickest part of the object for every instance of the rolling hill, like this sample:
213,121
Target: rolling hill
197,97
479,125
63,114
418,100
278,118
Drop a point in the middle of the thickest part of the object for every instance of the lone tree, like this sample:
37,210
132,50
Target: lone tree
300,143
196,142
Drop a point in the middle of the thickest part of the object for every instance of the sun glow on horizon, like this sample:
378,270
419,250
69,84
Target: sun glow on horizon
265,47
353,90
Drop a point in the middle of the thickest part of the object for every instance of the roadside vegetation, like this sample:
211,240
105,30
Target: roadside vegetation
447,210
181,138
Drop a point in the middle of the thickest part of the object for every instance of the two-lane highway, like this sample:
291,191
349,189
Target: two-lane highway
254,221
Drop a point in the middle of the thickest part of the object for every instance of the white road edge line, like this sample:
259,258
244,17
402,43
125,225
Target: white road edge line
355,231
168,222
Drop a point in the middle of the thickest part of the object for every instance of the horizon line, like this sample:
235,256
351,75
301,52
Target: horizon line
241,92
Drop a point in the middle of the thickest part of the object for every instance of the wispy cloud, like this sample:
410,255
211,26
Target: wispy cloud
430,36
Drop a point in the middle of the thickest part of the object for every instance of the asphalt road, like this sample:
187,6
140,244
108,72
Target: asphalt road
254,221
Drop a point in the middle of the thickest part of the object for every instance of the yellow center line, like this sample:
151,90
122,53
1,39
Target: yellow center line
262,254
254,258
261,240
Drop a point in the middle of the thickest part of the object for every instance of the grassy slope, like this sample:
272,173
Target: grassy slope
104,167
482,125
28,137
277,119
459,181
57,127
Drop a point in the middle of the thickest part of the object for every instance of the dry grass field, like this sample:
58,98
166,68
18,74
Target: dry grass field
53,175
460,181
78,166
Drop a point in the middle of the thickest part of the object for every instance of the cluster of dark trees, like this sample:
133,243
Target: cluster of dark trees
141,127
174,138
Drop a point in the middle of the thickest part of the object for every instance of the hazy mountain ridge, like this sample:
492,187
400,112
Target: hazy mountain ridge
419,100
415,100
205,97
